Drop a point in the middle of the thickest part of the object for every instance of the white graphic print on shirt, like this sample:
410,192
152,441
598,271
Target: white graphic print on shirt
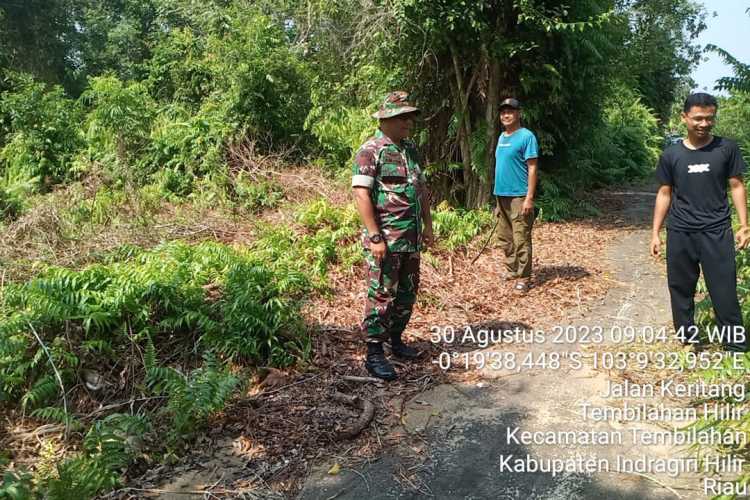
698,168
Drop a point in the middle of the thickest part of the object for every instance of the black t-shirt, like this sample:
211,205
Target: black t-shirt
699,183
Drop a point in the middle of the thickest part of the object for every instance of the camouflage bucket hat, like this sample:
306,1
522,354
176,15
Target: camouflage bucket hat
395,104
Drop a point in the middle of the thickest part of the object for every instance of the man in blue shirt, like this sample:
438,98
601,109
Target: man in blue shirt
515,186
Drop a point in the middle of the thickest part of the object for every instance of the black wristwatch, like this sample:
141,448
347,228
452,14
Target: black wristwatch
376,238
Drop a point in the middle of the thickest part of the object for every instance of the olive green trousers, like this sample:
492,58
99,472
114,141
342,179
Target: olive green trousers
514,235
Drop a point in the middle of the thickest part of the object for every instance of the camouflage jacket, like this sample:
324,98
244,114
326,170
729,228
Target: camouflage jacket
396,184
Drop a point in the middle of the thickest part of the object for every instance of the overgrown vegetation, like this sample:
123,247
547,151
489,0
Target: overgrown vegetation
456,228
117,115
180,323
161,87
729,124
734,120
67,329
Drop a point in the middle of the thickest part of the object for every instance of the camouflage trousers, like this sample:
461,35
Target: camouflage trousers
392,286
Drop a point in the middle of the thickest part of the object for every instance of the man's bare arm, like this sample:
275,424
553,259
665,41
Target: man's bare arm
533,164
739,199
528,202
661,207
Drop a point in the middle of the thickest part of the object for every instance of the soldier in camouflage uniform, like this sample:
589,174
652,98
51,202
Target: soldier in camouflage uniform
391,196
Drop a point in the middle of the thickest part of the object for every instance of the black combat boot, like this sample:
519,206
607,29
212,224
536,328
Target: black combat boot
401,350
377,364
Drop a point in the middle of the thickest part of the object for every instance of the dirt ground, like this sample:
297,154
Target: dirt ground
456,433
443,433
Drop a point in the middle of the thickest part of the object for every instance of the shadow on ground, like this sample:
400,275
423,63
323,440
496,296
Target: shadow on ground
566,273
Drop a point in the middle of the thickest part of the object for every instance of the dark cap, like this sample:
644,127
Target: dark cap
510,103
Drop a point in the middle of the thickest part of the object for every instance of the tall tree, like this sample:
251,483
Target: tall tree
37,36
460,57
740,81
660,48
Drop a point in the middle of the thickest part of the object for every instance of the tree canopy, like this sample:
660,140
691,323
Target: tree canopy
303,75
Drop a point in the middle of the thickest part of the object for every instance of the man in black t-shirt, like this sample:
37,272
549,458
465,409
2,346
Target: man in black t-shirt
693,198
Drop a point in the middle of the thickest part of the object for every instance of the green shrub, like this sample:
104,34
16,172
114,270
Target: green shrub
253,304
179,70
187,144
242,63
119,122
320,213
192,398
16,486
624,147
332,228
101,209
728,371
559,200
173,183
213,303
340,131
340,111
734,120
330,232
259,195
157,294
9,206
109,445
41,136
262,78
14,191
293,252
456,228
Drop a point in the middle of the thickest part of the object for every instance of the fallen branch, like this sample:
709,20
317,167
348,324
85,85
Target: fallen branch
367,484
336,495
191,492
334,329
57,375
487,242
352,378
368,412
104,409
39,431
302,381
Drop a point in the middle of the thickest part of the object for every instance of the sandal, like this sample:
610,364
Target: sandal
521,287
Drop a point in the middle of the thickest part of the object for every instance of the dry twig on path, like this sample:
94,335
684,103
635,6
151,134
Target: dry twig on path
368,412
352,378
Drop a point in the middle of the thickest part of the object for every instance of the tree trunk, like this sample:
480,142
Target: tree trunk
473,186
491,116
461,107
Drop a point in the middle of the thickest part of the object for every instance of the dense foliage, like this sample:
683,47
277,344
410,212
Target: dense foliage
734,120
160,88
128,106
